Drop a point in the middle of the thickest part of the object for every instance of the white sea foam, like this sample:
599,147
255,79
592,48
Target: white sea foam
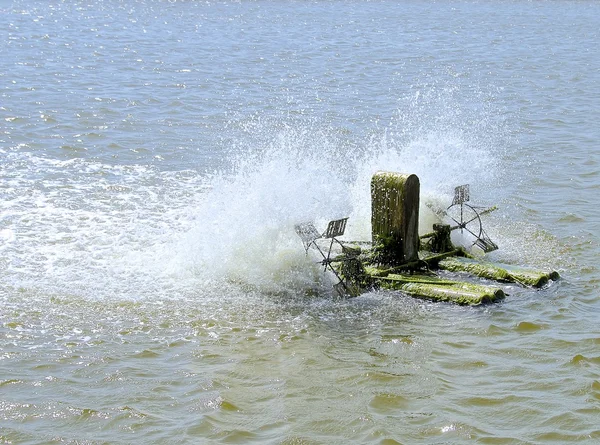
7,235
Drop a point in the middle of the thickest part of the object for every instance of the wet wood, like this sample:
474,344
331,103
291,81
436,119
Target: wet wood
395,216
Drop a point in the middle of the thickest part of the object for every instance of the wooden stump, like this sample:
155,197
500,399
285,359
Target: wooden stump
440,241
395,216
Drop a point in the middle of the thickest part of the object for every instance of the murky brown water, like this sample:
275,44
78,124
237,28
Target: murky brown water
155,156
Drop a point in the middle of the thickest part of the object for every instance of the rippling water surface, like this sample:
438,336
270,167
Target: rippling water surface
155,156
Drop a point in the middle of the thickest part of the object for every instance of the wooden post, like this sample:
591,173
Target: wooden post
441,241
395,216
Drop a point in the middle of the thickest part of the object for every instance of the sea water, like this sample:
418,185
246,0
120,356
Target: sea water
156,155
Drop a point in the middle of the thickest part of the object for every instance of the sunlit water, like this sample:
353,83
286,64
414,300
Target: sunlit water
155,156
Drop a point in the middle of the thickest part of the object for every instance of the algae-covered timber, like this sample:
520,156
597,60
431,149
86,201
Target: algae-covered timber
433,288
395,215
414,279
504,273
455,292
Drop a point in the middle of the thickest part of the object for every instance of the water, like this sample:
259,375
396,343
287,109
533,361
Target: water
156,155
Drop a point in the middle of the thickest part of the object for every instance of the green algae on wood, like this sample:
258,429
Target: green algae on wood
362,274
431,288
439,240
461,293
395,216
505,273
431,261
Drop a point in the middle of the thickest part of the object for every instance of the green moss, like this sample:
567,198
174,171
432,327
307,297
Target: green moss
439,240
432,288
484,270
494,272
395,217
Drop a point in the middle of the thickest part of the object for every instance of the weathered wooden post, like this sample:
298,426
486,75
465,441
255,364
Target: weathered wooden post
395,216
440,241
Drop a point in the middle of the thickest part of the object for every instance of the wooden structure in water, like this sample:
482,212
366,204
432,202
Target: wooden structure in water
400,259
395,215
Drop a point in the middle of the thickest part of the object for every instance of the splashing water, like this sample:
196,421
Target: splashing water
244,225
131,230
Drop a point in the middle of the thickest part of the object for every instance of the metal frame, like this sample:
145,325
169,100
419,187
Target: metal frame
309,235
461,196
